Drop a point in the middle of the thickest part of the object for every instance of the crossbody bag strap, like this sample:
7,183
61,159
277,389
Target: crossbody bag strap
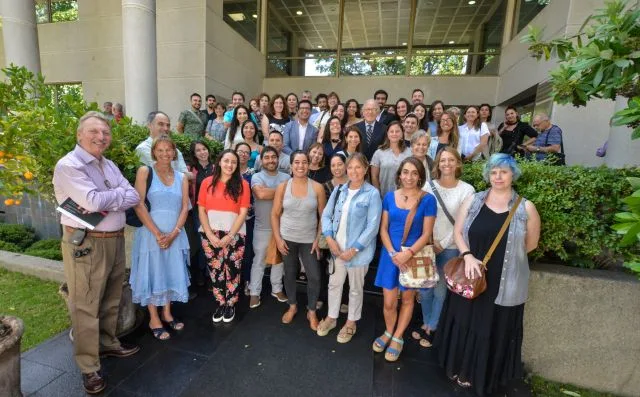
503,229
409,220
444,207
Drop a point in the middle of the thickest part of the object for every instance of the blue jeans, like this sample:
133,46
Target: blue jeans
432,299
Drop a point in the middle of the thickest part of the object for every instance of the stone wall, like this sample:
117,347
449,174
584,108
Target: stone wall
582,327
34,211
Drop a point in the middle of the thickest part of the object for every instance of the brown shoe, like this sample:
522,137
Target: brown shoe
254,302
313,320
94,382
288,316
280,296
121,352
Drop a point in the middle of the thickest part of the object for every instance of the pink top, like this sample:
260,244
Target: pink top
96,185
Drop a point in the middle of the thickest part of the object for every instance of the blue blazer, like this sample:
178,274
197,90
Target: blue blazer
379,131
291,138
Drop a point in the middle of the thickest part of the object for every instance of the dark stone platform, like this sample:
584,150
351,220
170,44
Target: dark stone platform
254,356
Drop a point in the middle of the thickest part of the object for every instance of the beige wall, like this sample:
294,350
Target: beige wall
461,90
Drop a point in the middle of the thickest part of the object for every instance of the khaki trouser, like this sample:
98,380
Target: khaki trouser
356,289
95,287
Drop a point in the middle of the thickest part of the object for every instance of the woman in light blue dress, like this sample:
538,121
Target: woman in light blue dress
160,256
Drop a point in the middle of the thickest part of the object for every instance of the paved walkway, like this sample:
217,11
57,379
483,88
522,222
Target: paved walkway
254,356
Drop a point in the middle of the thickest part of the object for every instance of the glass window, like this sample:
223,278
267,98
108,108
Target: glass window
243,16
48,11
492,39
527,10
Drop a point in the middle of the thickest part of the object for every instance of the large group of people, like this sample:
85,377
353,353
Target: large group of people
329,187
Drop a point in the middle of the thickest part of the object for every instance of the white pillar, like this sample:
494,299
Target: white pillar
20,33
140,58
622,151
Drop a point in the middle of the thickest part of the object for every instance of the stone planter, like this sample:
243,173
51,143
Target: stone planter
129,315
11,330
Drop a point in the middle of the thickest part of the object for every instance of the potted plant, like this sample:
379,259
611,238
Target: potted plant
11,330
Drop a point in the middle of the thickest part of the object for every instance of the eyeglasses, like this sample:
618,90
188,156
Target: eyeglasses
242,152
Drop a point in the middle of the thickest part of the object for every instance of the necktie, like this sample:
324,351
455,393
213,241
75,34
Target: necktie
369,133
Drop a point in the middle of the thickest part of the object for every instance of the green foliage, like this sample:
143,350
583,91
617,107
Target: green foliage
183,143
37,303
541,387
600,61
577,206
627,224
20,235
46,244
11,247
53,254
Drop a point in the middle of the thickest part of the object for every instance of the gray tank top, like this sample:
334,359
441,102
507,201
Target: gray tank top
299,220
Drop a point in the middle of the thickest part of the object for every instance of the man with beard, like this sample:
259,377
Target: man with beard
263,186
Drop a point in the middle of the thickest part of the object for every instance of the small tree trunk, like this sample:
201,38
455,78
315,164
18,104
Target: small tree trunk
11,330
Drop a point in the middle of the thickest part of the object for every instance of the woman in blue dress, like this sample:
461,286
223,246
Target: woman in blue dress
396,206
160,256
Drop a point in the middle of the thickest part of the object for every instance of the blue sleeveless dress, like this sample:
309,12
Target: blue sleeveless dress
160,276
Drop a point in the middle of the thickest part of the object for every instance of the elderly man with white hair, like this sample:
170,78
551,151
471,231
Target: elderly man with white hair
371,130
548,144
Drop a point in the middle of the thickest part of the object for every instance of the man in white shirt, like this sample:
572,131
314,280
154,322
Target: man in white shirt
158,124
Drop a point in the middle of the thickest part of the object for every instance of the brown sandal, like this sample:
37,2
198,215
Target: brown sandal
288,316
313,320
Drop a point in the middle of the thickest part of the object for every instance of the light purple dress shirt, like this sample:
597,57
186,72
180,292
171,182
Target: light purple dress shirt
96,185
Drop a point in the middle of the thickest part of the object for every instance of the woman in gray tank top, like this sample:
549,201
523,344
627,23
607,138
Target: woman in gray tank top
297,206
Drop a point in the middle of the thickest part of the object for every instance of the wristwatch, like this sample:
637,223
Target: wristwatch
355,249
537,148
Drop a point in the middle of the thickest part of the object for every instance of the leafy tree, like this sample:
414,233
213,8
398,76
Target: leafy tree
600,61
423,62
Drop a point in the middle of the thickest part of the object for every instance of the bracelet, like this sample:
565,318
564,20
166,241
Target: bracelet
462,255
392,253
411,250
177,230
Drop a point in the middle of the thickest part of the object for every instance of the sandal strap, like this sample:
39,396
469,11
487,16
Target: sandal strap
387,334
397,340
393,352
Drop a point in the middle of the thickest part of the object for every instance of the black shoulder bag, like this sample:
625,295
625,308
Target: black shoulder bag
132,217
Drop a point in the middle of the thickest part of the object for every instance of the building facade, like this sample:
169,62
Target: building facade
152,54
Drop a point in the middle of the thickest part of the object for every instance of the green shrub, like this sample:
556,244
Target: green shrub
54,254
576,205
183,143
46,244
11,247
22,236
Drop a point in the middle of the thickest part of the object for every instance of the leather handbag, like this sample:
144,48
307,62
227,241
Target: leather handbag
457,281
131,216
421,272
272,256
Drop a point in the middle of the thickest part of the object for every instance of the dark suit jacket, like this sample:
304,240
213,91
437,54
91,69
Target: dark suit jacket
291,138
379,131
386,118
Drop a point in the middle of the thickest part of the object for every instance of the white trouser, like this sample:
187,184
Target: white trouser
356,286
261,240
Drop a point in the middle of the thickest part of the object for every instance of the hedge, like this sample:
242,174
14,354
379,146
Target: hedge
576,205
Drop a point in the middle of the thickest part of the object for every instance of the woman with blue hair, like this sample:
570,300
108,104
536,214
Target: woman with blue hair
479,341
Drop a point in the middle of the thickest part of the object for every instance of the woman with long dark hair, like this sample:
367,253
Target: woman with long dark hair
353,112
340,111
436,110
223,204
485,113
318,170
402,108
387,158
352,141
234,132
292,105
249,129
420,110
332,138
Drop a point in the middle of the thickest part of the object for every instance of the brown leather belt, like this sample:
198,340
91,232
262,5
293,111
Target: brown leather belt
97,234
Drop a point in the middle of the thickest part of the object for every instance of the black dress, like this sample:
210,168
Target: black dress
477,340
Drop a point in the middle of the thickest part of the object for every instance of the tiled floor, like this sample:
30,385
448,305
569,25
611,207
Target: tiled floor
254,356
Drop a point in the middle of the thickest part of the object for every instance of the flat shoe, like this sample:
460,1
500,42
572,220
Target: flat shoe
288,316
326,326
174,324
159,332
313,321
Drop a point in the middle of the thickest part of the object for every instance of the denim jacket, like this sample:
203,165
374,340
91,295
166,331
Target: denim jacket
514,281
363,223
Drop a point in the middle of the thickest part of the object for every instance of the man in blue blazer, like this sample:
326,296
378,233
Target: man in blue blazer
299,134
372,131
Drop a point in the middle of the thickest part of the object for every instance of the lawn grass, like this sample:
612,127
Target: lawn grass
36,302
541,387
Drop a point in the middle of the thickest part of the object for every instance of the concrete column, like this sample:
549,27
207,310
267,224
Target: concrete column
140,58
622,151
509,17
20,33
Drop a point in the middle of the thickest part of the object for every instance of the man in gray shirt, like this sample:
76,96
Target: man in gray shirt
263,185
276,141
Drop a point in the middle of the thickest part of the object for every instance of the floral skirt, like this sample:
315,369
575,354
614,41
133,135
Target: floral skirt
225,266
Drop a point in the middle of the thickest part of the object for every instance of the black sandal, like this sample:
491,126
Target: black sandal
174,324
158,332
